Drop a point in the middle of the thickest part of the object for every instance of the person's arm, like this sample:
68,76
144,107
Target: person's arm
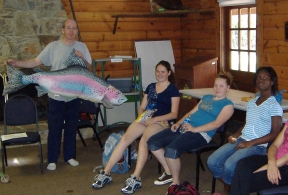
89,66
272,151
224,115
169,116
273,173
276,126
279,163
31,63
176,125
143,105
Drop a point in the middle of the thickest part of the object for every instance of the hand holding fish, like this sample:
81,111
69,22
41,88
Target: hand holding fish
11,62
79,54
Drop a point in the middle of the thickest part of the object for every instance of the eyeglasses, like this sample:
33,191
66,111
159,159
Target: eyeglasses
70,28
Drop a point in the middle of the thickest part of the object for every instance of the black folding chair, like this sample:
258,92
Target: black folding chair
20,110
89,109
212,145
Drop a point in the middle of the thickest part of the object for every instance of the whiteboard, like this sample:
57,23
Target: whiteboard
151,53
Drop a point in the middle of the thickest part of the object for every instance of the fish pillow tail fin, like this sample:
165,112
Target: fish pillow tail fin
14,80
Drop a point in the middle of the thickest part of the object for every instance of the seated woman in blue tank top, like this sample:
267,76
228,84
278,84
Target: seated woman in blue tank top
209,114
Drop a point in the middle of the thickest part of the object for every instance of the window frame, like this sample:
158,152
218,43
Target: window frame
227,37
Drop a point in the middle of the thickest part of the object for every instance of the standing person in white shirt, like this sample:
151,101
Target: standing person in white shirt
60,108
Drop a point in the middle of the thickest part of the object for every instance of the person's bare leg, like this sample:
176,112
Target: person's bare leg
159,154
174,166
143,149
133,132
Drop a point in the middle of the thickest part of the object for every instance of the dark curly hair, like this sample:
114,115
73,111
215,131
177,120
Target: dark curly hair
273,77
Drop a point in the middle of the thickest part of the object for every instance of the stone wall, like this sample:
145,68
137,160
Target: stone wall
27,26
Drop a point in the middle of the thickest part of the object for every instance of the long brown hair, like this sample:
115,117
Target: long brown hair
168,67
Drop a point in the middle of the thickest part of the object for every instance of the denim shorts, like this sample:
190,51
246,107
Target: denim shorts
175,143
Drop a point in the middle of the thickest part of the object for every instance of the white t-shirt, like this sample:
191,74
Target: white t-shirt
258,118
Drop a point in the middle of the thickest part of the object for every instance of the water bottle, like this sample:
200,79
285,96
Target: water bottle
186,120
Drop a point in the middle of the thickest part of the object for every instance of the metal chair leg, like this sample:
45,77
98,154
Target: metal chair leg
98,138
40,156
3,159
197,171
201,163
129,156
80,135
5,154
159,167
213,185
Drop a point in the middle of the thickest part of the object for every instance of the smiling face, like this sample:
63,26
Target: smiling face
220,88
70,29
161,73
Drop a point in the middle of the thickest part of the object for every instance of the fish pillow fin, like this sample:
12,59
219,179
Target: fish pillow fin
40,91
37,70
74,60
106,102
14,80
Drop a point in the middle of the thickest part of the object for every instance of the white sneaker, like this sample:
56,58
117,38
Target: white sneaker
73,162
51,166
132,184
101,180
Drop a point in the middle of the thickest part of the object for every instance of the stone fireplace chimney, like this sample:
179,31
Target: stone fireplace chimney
26,27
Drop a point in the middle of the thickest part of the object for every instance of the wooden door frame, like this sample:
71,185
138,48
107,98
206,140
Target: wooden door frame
240,83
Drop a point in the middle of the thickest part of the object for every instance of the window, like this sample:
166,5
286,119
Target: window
241,45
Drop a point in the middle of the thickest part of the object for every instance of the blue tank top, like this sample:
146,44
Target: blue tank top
208,111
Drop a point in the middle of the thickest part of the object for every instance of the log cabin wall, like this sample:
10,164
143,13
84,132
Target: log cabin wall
272,46
199,30
96,25
190,36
